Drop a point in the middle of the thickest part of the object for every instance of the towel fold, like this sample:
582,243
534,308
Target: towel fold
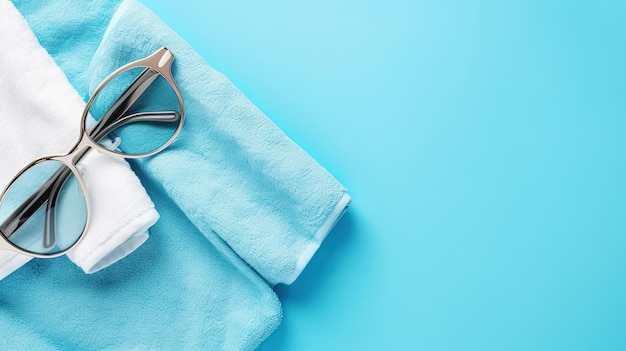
40,116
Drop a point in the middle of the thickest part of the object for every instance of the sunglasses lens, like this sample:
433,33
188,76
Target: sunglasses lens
44,211
136,113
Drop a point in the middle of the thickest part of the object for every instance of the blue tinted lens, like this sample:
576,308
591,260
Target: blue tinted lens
138,108
44,211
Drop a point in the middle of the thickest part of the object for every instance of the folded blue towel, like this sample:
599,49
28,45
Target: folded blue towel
232,171
231,177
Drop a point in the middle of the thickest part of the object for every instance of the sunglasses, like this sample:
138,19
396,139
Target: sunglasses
136,112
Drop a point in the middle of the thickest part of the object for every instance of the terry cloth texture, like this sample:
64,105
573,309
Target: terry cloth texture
231,177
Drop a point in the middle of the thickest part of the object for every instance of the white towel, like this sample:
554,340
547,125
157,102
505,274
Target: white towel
40,114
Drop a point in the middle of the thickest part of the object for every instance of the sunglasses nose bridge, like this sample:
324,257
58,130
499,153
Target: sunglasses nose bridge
78,151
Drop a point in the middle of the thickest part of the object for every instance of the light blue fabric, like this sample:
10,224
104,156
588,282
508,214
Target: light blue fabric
231,177
178,291
232,171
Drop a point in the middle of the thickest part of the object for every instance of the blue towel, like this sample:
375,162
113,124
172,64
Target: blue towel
232,171
178,291
231,177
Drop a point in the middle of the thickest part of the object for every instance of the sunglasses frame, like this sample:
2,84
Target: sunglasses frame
161,62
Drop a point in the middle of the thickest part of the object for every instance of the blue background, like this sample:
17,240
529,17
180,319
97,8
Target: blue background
483,143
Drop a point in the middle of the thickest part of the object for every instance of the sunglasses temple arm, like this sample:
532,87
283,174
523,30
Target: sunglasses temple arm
124,102
27,209
49,233
160,116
